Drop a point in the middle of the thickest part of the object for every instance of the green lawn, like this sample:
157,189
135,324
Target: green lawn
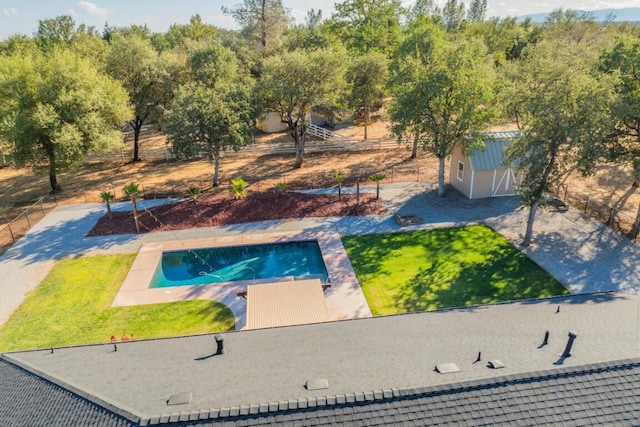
72,306
447,267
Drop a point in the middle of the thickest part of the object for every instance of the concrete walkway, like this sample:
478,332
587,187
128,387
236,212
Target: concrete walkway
581,253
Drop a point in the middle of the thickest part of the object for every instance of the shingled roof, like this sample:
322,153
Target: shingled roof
602,394
29,400
377,371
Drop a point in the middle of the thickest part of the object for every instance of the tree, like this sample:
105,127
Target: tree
339,178
452,14
314,34
377,177
623,58
56,107
215,112
107,197
444,90
368,25
424,9
53,32
262,22
367,77
295,82
132,191
571,26
209,120
149,78
477,11
564,114
505,38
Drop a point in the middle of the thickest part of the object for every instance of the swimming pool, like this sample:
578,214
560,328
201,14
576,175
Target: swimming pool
299,260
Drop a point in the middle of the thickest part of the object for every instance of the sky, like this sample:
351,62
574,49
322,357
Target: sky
22,16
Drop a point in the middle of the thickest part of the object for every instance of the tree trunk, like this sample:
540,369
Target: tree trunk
636,226
216,168
137,127
529,232
414,150
53,182
53,178
135,214
441,176
263,27
366,120
299,148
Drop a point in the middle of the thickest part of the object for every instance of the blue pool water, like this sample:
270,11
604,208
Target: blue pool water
302,260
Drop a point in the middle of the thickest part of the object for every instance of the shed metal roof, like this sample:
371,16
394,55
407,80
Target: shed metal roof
297,302
491,156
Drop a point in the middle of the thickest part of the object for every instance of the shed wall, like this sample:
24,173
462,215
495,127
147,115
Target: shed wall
463,186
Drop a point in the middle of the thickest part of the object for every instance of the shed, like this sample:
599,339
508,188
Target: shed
483,172
271,123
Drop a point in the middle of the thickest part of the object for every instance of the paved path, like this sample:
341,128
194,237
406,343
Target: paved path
584,255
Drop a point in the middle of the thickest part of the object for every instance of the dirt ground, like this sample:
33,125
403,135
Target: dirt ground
610,186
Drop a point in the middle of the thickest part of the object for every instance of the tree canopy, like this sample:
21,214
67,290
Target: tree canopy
443,90
367,77
293,83
214,111
367,26
55,107
564,114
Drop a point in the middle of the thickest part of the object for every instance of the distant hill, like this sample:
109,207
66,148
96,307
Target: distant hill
628,14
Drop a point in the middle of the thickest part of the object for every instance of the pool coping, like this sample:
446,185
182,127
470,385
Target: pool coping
344,298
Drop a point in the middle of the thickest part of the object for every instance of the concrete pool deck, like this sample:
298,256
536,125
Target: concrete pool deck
344,298
582,254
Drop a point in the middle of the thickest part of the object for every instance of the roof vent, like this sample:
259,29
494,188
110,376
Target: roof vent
219,344
495,364
179,399
317,384
447,368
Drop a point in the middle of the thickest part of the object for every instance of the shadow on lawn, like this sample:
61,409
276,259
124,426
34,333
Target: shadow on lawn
454,277
501,277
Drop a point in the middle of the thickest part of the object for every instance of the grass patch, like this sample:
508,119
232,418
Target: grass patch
72,306
441,268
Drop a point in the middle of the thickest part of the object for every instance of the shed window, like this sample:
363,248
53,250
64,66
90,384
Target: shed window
460,171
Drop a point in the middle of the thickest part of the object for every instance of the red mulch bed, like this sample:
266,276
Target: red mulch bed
222,209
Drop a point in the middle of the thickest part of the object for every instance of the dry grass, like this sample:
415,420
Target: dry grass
611,185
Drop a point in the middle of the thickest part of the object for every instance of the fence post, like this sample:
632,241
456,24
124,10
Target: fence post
610,220
418,174
84,191
42,207
26,214
13,237
566,188
392,174
586,204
